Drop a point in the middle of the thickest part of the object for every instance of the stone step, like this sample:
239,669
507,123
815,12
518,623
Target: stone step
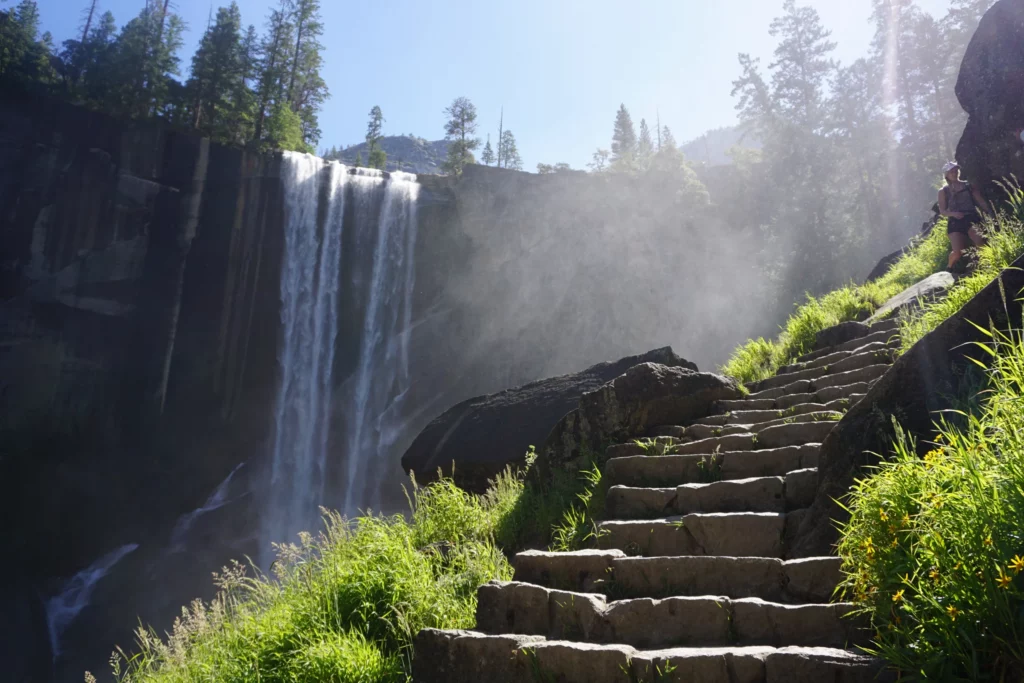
733,534
884,336
833,358
528,609
806,580
742,417
743,441
731,405
792,380
472,657
824,395
673,470
614,574
786,379
887,325
771,418
842,379
761,494
794,434
799,386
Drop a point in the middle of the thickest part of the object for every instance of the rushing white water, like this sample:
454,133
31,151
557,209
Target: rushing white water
377,283
382,374
310,280
217,499
64,607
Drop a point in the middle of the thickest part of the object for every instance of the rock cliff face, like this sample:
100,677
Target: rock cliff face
991,90
138,326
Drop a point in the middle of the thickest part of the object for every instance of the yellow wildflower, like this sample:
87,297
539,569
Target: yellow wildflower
1004,581
934,575
1017,564
895,542
953,612
898,595
931,456
881,515
906,520
988,541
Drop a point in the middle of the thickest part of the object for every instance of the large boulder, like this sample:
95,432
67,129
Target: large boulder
991,90
923,382
482,435
929,289
646,396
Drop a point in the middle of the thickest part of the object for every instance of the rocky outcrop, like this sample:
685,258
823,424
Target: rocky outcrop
925,380
989,89
646,396
839,334
929,289
479,437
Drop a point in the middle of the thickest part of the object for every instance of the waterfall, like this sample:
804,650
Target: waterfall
217,499
380,229
382,373
65,606
310,279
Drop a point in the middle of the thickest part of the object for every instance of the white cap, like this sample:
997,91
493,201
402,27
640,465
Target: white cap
950,165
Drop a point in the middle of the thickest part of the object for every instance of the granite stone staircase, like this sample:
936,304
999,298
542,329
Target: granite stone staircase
691,580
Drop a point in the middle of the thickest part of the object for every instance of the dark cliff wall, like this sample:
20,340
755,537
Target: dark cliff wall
138,322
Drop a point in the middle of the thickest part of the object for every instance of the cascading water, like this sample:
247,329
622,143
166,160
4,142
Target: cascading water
382,374
381,223
310,278
63,608
217,500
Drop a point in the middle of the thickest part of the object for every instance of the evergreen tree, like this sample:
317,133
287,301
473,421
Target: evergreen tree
488,154
509,152
218,71
359,159
645,146
24,58
377,157
274,67
599,161
623,141
459,131
307,90
802,65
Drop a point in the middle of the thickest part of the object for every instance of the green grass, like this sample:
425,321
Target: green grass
761,358
344,606
933,551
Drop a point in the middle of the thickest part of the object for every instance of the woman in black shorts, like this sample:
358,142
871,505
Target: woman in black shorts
959,202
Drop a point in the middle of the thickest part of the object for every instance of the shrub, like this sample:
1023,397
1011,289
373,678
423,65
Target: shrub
933,549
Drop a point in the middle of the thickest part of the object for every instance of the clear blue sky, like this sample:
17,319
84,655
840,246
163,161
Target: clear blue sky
559,67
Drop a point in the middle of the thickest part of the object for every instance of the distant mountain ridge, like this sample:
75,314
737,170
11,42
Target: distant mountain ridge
711,148
405,153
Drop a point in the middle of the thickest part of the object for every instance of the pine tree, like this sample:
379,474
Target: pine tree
218,76
623,142
509,152
307,90
488,154
599,161
802,64
377,157
359,159
273,68
459,131
645,145
24,58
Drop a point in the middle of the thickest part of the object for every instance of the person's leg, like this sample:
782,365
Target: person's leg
958,241
976,236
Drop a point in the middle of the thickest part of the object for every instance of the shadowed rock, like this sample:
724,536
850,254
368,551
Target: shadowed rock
989,89
646,396
484,434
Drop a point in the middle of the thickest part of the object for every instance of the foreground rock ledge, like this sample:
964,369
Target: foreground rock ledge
646,396
481,436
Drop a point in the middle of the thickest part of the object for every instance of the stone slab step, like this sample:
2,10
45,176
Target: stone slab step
760,494
887,325
825,395
528,609
805,580
836,357
657,446
794,434
883,336
673,470
743,441
787,379
797,387
578,570
770,419
731,405
733,534
842,379
746,417
472,657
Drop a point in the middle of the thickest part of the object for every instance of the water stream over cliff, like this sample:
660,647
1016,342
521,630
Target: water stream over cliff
331,433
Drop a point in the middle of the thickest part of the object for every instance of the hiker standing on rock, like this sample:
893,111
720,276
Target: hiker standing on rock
959,202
